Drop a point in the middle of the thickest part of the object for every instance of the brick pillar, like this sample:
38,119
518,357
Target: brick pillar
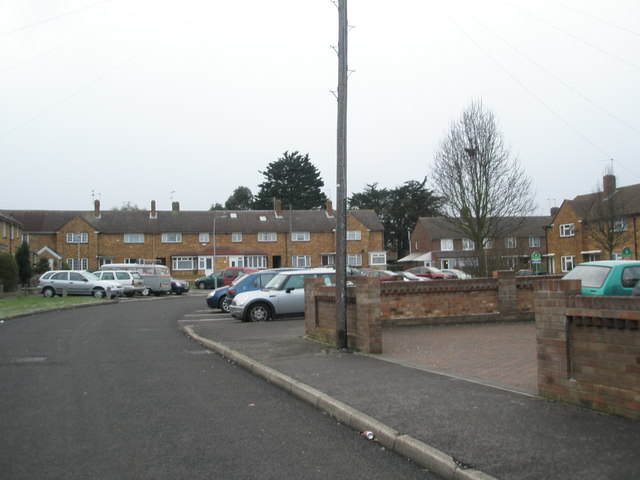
552,335
367,324
507,294
311,286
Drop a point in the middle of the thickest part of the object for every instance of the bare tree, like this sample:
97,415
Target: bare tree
485,191
606,223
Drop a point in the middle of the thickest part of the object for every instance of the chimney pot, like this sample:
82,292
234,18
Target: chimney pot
96,208
153,213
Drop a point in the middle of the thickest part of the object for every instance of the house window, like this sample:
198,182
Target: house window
78,263
301,260
510,242
567,262
620,225
300,236
25,237
534,242
327,259
567,230
184,263
377,258
77,237
171,237
267,236
203,237
255,261
468,244
236,237
488,243
446,244
354,235
134,238
354,260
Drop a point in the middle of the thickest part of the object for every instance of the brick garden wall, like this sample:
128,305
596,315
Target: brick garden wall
588,348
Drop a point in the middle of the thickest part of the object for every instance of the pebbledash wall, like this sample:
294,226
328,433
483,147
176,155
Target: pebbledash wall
588,348
372,305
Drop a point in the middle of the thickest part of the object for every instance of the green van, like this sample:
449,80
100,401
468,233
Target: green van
606,277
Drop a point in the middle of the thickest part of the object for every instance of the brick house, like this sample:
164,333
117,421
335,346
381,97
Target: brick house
587,227
184,240
437,242
10,233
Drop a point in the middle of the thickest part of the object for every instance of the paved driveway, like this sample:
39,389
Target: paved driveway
501,354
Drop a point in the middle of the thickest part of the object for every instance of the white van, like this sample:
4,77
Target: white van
157,278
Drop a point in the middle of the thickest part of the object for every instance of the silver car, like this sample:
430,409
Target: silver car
77,282
282,296
131,282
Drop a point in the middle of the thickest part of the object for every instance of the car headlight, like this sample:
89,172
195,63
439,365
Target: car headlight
211,294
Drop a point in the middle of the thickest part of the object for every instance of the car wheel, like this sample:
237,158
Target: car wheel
259,312
179,291
225,303
201,286
49,292
145,292
98,293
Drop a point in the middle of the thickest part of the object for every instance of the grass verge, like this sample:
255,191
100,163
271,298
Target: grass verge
24,305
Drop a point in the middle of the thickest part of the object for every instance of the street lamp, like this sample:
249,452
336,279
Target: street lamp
215,277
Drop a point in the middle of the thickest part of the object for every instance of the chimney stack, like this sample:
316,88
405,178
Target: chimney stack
153,213
175,206
96,208
609,185
329,208
277,206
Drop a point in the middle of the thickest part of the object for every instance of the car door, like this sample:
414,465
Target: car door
59,281
79,284
291,298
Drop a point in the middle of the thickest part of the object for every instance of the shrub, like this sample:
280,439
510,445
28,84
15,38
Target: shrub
8,272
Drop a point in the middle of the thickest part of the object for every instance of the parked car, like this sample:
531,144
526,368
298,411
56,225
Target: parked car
430,272
282,296
231,273
412,277
157,279
217,298
131,282
213,280
606,277
77,282
636,290
253,281
179,286
457,273
382,275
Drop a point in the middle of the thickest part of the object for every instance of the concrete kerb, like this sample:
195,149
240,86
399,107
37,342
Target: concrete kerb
405,445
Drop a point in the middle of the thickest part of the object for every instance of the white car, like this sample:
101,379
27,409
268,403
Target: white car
131,282
282,296
77,282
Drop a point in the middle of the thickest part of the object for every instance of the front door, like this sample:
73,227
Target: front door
206,264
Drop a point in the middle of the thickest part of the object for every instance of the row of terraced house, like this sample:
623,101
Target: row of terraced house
599,225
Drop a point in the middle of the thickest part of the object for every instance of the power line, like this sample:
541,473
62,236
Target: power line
51,19
522,85
593,17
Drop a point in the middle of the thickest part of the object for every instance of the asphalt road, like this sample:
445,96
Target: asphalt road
118,392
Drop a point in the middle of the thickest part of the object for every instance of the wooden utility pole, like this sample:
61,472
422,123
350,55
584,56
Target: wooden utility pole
341,182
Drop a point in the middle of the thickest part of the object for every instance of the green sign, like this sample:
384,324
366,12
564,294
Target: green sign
626,253
536,257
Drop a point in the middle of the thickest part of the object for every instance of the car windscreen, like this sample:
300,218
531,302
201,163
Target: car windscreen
277,282
592,276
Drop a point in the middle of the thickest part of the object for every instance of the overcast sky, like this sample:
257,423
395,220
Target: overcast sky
140,100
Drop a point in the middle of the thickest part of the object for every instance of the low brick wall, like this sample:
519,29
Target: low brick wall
588,348
372,305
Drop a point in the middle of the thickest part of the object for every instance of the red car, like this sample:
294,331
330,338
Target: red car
231,273
430,272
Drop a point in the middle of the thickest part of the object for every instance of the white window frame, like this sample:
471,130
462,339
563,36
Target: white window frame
446,244
354,260
172,237
134,238
534,242
301,260
327,259
488,243
267,237
204,237
354,235
620,224
377,258
184,263
300,236
77,237
73,263
567,261
468,244
236,237
510,242
255,261
567,230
